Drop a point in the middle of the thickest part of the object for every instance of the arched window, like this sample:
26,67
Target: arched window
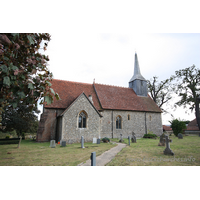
129,117
82,120
118,122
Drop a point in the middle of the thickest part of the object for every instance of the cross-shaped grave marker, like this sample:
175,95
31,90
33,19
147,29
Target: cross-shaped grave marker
168,151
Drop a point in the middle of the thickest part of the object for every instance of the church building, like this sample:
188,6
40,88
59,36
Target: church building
97,111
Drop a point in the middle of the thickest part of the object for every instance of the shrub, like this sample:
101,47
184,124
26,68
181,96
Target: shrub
177,126
7,136
105,139
150,135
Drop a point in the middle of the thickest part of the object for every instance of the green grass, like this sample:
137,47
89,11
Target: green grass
146,152
32,153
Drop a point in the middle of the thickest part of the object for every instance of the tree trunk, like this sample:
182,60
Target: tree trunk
197,113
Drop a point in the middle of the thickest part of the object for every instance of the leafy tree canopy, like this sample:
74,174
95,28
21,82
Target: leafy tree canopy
24,76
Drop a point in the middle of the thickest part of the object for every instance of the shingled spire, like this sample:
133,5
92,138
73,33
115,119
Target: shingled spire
138,83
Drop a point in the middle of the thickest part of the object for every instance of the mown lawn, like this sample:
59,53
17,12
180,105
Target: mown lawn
32,153
146,152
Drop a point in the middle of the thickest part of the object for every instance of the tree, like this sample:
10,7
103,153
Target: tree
20,119
160,92
24,75
177,126
188,88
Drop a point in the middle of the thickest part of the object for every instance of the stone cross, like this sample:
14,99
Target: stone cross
93,159
82,142
168,151
129,140
52,143
133,139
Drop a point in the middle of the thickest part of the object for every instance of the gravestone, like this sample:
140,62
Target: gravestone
180,136
82,142
129,140
162,142
93,159
98,141
121,139
94,140
133,138
63,143
168,151
52,143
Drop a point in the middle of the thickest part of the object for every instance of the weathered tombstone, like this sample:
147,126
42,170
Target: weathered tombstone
93,159
98,141
168,151
121,139
82,142
94,140
180,136
133,138
52,143
129,140
162,142
63,143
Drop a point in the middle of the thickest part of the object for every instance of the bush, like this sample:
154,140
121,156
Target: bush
7,136
150,135
177,126
105,139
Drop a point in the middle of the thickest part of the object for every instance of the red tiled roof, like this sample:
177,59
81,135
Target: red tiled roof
110,97
192,126
120,98
69,91
167,128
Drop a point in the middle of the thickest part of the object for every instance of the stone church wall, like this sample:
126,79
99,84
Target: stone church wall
139,123
70,130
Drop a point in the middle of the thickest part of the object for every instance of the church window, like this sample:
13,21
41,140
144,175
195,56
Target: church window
118,122
129,117
82,120
150,118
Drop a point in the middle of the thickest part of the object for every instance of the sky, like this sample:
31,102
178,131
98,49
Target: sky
109,58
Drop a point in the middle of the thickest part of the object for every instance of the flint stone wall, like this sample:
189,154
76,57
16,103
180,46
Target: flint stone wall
71,133
139,123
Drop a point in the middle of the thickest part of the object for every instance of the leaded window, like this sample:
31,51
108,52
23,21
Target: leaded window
82,120
118,122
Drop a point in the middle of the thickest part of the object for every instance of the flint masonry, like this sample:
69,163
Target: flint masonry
97,110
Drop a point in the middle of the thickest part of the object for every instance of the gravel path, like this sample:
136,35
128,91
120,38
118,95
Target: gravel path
106,157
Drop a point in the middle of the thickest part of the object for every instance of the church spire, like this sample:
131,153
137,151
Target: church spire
138,83
137,73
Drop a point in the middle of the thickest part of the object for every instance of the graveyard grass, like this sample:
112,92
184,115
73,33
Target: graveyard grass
146,152
32,153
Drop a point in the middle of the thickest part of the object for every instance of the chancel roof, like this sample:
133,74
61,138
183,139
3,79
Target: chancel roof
104,97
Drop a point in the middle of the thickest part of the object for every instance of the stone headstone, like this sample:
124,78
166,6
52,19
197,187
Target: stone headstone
82,142
93,159
52,143
98,141
94,140
121,139
63,143
133,138
180,136
168,151
162,141
129,140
